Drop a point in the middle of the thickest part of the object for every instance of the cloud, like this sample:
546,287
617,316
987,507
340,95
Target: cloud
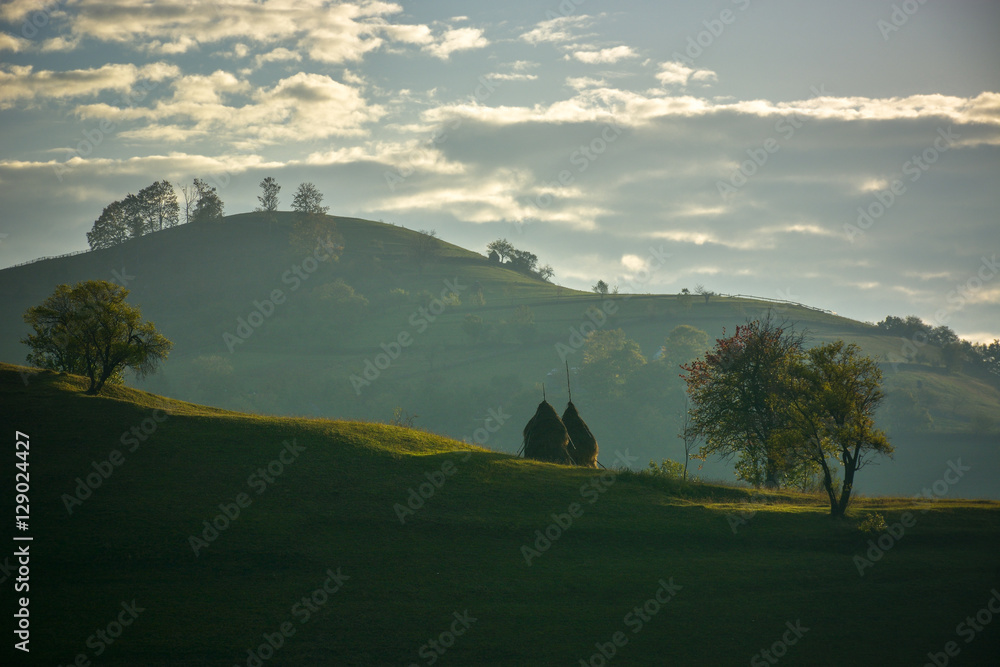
678,74
9,42
609,55
23,85
281,54
301,107
556,30
457,39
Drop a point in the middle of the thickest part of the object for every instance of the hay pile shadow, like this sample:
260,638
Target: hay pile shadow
546,438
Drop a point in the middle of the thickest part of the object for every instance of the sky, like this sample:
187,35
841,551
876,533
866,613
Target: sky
845,155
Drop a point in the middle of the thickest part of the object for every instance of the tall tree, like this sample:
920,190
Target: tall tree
135,215
111,228
269,196
207,207
502,247
740,393
158,205
837,391
90,330
308,200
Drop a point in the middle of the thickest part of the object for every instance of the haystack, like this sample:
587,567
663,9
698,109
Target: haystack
545,436
583,442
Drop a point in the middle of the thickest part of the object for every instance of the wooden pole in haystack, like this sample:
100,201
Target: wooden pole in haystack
583,441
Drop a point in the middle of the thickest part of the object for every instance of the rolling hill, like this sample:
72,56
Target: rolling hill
261,325
169,533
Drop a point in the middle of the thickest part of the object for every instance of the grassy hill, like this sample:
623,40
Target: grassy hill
199,282
739,572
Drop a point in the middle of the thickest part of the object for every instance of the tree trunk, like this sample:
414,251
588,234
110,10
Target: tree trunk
850,467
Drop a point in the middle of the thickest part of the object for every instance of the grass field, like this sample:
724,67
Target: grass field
737,567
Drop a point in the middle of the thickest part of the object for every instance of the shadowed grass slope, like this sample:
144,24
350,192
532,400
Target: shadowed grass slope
468,516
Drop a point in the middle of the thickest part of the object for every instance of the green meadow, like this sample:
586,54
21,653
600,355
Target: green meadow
169,533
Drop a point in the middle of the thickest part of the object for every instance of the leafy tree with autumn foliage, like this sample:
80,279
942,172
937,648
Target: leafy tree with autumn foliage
740,391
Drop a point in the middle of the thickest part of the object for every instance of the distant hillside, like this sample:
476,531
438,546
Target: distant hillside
260,325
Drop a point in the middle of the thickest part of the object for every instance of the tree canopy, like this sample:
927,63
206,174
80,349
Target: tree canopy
207,205
308,200
90,330
761,396
154,208
269,195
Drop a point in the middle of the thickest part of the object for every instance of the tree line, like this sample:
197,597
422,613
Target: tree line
520,260
955,353
156,207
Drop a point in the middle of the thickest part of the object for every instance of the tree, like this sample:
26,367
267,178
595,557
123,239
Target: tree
707,294
269,197
502,247
546,272
600,287
836,393
157,206
207,206
683,344
90,330
308,200
740,392
609,358
522,260
135,215
111,228
188,192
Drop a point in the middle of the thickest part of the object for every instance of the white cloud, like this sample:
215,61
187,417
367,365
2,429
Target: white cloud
457,39
300,107
10,42
679,74
26,86
281,54
556,30
609,55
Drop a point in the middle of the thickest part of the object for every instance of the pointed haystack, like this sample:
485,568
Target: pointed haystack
545,437
584,450
583,444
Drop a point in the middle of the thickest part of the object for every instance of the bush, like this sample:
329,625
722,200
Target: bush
669,469
872,524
